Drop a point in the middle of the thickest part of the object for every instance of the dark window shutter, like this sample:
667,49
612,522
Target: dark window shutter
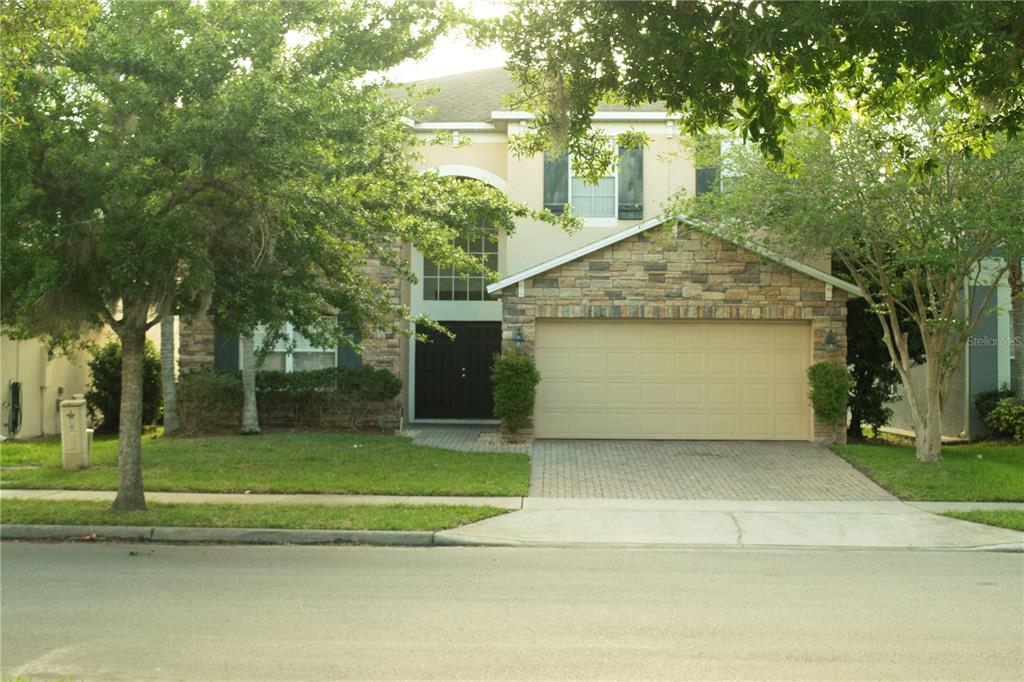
631,184
225,350
348,357
556,182
708,156
707,180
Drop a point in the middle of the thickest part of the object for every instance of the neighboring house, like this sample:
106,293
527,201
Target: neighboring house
642,327
986,364
34,380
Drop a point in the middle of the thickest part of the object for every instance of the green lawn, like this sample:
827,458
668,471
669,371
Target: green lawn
308,516
278,463
975,472
1005,518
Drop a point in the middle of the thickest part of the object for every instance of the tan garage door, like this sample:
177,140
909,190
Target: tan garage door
678,379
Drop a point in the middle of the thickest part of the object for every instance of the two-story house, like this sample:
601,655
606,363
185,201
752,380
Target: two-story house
641,326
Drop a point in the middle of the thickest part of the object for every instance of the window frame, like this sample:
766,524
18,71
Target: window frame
597,221
455,277
289,357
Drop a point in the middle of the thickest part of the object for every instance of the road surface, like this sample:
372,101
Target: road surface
153,612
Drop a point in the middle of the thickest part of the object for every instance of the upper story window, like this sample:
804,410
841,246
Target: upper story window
444,284
616,196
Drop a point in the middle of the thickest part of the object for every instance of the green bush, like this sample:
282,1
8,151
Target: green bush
209,398
1007,418
103,397
515,380
830,390
986,401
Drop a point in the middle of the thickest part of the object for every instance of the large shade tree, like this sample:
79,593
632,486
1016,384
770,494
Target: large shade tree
924,247
156,148
752,65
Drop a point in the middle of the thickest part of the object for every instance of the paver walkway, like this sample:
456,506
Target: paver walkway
672,470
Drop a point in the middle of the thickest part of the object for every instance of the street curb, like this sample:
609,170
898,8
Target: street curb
234,536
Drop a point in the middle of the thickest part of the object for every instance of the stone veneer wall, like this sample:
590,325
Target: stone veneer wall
382,350
689,276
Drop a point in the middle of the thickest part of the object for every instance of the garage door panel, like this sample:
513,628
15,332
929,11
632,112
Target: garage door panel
690,364
690,425
672,379
790,364
789,394
756,395
723,395
790,426
688,395
588,363
656,364
724,426
622,363
756,364
723,364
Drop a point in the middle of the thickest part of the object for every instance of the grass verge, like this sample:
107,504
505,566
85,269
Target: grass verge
282,462
1004,518
298,516
974,472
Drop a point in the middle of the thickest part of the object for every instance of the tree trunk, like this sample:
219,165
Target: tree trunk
854,430
928,429
250,414
130,495
1016,278
172,420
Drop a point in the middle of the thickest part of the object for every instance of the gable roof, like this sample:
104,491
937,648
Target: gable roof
661,220
474,95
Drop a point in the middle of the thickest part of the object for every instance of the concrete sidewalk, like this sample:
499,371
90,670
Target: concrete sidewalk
560,522
629,522
245,498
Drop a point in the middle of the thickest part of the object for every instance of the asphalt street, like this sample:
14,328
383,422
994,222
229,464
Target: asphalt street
108,611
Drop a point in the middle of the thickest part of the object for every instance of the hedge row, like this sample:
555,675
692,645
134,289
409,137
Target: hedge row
213,398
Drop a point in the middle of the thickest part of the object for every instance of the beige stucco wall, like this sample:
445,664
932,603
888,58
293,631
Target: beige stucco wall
44,380
668,167
486,155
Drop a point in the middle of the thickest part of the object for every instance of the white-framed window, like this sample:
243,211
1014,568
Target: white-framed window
445,284
303,357
595,201
616,196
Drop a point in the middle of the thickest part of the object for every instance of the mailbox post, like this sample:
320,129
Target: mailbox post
75,436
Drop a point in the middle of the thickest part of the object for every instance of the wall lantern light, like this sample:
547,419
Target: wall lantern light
830,342
517,338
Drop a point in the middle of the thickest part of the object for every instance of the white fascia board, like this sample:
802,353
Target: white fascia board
453,125
598,116
654,222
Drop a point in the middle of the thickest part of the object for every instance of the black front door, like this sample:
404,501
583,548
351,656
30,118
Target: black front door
453,378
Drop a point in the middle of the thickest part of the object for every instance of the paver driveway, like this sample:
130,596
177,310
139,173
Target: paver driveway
674,470
695,470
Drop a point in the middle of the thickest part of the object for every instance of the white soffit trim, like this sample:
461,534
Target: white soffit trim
446,125
660,220
598,116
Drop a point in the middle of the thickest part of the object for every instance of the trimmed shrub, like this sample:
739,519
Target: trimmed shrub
211,398
830,390
103,398
1007,418
515,379
986,401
